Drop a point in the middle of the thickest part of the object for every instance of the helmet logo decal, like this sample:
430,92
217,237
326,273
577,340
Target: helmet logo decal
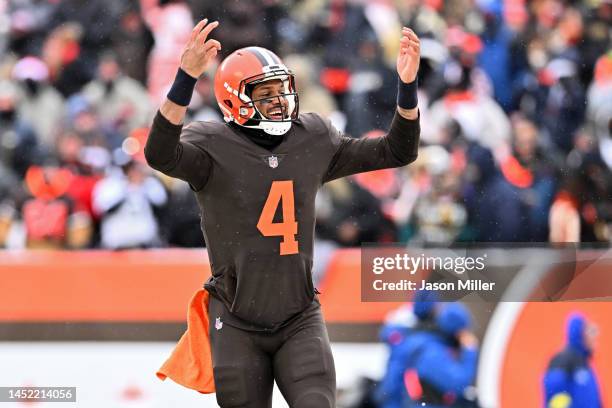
233,91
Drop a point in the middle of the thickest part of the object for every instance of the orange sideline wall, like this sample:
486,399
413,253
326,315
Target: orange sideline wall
147,285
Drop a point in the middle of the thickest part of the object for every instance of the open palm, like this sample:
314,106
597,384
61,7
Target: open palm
409,56
199,52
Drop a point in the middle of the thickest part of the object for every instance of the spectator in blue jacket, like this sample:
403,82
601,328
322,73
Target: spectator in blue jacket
569,381
495,209
445,364
408,318
434,364
400,327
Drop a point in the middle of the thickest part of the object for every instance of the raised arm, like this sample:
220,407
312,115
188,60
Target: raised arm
170,148
408,60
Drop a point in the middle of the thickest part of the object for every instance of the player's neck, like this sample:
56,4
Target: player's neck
259,137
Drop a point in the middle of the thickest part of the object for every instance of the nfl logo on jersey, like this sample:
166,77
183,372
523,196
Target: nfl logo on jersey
273,161
218,323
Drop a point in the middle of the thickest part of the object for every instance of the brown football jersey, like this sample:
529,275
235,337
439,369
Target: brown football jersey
258,205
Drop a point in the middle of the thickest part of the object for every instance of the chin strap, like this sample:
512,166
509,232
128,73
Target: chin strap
272,128
275,128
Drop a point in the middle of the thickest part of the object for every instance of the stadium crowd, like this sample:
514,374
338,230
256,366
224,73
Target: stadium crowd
515,103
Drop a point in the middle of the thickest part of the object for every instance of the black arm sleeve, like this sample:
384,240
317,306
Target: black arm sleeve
172,150
398,147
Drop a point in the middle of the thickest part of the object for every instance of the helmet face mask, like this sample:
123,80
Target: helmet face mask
256,112
234,90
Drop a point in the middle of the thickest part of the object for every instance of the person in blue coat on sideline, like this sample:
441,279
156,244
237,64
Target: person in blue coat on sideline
570,381
434,364
444,365
403,324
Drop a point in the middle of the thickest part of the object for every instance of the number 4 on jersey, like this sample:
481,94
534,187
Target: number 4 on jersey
281,193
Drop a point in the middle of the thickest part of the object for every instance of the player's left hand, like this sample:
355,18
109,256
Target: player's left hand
409,56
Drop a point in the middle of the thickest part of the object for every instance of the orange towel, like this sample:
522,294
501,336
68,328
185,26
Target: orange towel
190,363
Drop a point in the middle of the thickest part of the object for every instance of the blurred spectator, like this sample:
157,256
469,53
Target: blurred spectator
18,142
5,33
400,325
86,164
119,100
69,69
465,48
533,173
439,215
495,209
313,97
528,89
465,100
371,61
570,381
171,23
596,39
564,219
430,77
496,53
126,201
49,215
132,41
599,107
83,119
339,28
244,24
8,179
8,217
441,365
349,215
367,103
29,21
417,182
94,20
38,96
384,19
564,107
582,210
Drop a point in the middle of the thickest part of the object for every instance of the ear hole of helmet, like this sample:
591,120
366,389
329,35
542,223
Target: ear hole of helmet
228,103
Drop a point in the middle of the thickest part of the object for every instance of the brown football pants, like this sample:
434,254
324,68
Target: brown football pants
298,356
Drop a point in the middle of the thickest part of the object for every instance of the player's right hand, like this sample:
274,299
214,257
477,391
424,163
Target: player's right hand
199,52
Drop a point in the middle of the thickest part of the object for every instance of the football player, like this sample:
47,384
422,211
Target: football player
255,177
